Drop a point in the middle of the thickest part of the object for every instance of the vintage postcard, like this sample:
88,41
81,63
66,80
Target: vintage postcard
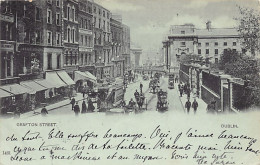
169,82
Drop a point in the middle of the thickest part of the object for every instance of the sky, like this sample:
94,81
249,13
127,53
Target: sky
150,20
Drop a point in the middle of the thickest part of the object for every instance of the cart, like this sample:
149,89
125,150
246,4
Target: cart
162,103
141,103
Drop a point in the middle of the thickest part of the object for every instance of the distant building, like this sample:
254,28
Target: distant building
126,47
209,43
135,55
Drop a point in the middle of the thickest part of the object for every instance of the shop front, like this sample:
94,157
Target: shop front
20,97
7,59
84,79
29,59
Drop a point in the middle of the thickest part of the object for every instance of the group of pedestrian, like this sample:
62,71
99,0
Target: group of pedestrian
185,89
194,105
84,108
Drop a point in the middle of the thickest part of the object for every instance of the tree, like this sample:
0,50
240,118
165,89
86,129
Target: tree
249,29
246,68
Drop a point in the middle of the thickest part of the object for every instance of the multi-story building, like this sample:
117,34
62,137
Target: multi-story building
7,41
71,35
117,44
209,43
86,46
126,47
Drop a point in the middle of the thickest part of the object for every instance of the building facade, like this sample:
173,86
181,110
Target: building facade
71,35
126,47
86,46
208,43
117,45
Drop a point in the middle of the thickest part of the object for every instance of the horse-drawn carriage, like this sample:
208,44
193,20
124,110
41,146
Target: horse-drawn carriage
154,86
162,103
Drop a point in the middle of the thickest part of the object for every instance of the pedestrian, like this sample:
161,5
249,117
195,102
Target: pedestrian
181,91
185,88
76,109
195,105
90,106
44,111
179,86
188,92
84,107
141,88
72,102
188,105
50,93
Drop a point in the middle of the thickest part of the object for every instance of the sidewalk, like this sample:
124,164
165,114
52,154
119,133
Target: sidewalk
202,105
50,107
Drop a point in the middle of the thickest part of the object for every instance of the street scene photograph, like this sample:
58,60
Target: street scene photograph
129,57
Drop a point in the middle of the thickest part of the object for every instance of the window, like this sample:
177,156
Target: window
182,32
89,25
58,61
225,50
58,3
234,50
49,37
73,35
49,16
68,13
86,40
199,44
99,11
49,61
37,13
58,18
24,10
207,44
234,44
183,44
73,14
95,9
81,39
68,34
99,23
49,1
107,15
81,23
216,51
95,20
104,25
216,43
216,60
58,38
225,43
104,14
199,51
207,51
37,37
86,24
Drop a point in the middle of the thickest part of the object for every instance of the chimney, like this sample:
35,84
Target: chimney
208,25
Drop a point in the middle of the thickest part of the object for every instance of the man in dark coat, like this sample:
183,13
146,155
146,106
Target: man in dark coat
72,102
90,106
188,105
50,94
195,105
181,91
136,94
141,87
76,109
44,111
84,107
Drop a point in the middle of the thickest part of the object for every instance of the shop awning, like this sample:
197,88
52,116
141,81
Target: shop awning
16,89
52,76
4,94
84,76
35,87
65,77
47,84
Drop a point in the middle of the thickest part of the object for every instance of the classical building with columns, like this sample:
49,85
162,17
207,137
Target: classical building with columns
209,43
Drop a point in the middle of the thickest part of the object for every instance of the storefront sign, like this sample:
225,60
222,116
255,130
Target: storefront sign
30,49
6,46
7,18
